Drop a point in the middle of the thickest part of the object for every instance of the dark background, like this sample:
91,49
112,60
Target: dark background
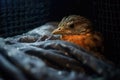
19,16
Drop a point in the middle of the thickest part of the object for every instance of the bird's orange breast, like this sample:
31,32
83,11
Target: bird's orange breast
87,41
76,39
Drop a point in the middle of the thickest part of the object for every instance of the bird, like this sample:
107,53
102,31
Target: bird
79,30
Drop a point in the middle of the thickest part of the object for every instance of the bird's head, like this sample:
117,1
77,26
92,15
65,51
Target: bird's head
73,24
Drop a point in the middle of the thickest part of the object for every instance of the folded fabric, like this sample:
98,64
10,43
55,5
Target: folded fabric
39,55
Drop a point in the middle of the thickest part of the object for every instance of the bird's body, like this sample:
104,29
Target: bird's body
78,30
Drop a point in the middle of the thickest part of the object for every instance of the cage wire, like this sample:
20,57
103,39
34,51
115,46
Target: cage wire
106,15
19,16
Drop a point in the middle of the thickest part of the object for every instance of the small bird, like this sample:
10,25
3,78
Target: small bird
78,30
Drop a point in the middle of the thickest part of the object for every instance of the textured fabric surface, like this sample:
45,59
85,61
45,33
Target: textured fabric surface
38,56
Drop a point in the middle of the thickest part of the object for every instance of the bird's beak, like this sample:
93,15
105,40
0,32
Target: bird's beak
58,31
62,31
54,32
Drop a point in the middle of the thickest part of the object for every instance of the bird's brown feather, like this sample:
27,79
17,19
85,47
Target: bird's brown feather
78,30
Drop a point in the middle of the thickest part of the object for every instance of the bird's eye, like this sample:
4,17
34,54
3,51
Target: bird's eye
71,26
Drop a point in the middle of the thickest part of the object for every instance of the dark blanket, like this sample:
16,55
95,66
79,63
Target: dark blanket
39,55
